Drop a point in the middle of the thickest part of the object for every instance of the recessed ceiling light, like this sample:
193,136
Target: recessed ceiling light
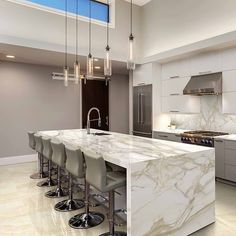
96,59
10,56
97,67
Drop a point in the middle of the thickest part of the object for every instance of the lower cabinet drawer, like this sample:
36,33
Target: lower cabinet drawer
230,145
166,136
230,156
230,172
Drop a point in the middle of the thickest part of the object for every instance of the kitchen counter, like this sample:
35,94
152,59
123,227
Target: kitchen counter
230,137
172,131
170,186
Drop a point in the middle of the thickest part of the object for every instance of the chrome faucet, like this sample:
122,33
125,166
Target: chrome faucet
88,119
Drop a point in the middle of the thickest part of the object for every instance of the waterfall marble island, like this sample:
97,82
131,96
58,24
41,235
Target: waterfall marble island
170,186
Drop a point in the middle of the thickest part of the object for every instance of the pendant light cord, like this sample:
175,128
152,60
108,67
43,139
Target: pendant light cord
108,21
90,26
77,29
66,22
131,17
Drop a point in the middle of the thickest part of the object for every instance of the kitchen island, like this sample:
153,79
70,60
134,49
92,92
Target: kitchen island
170,186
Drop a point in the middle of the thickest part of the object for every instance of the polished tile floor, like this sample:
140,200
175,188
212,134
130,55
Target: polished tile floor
24,211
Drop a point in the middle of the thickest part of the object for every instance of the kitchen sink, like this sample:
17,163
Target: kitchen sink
100,134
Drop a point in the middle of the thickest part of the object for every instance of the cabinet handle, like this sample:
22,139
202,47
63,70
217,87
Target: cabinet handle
174,94
174,111
174,77
219,141
162,136
141,84
205,72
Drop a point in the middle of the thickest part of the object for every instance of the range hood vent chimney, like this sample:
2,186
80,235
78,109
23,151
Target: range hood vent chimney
208,84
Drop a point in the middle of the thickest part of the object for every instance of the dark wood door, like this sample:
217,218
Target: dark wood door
95,94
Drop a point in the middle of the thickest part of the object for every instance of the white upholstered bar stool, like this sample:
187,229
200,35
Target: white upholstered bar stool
76,168
47,153
58,158
39,150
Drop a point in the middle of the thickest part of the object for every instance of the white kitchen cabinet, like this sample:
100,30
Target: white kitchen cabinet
229,81
167,136
175,69
142,74
172,87
181,104
205,63
228,103
220,158
228,59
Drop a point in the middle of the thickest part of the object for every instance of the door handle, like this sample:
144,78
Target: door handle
107,120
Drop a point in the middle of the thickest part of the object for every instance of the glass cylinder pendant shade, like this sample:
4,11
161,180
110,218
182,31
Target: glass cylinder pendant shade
90,66
77,72
107,64
66,75
130,62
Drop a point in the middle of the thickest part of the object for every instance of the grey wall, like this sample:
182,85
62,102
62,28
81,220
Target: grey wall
119,104
31,100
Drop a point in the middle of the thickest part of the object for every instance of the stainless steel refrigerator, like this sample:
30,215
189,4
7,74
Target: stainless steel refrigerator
142,111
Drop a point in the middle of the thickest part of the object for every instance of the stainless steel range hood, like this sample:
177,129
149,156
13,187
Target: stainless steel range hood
209,84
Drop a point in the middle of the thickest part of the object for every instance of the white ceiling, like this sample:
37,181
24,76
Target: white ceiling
139,2
52,58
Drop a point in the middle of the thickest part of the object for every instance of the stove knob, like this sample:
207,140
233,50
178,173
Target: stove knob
211,142
203,141
207,141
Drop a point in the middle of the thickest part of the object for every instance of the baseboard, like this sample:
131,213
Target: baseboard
17,159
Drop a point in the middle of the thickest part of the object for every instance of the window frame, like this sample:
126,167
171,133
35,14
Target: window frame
72,15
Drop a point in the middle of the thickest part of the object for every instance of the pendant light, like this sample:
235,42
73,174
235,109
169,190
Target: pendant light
77,64
107,60
66,68
130,62
90,57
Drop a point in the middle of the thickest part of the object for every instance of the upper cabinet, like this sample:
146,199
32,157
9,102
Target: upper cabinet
175,69
172,87
229,59
205,63
229,81
181,104
142,74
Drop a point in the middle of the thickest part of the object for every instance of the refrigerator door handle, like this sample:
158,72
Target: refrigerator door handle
141,102
138,108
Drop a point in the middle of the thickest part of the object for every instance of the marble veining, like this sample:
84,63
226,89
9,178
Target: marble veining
170,186
210,118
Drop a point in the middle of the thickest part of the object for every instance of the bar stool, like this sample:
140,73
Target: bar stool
58,158
39,150
47,153
76,168
87,219
98,177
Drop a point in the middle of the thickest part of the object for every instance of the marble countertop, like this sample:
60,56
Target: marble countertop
230,137
172,131
122,149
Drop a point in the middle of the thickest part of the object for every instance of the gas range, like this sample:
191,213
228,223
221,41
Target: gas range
203,138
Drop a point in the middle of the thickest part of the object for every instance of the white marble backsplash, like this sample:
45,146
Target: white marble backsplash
211,117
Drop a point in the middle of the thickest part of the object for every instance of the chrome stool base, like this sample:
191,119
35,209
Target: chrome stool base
86,221
57,193
116,233
47,183
69,205
39,176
